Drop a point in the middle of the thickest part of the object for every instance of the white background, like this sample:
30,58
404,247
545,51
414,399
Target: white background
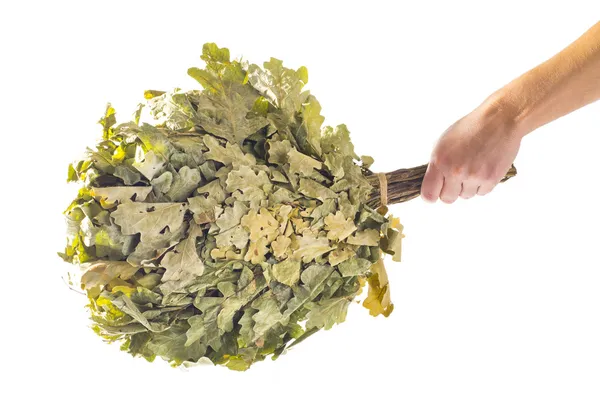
496,297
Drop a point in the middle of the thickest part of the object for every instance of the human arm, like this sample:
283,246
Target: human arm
473,155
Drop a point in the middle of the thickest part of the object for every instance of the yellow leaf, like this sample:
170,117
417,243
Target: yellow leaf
257,250
280,246
368,237
260,225
340,254
378,298
338,226
126,290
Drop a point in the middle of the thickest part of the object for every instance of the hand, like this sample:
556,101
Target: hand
473,155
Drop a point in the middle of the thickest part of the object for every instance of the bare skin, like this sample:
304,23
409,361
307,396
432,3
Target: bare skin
474,154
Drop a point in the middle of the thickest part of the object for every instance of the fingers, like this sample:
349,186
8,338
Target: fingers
451,189
469,189
487,187
432,183
446,188
489,184
449,186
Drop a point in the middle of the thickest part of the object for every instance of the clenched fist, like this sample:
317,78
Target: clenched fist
473,155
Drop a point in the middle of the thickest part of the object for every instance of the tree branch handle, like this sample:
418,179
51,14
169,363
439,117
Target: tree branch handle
405,184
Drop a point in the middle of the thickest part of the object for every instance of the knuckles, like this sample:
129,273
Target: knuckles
475,172
450,168
483,175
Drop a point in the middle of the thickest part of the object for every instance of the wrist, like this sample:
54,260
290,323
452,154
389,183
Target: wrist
506,107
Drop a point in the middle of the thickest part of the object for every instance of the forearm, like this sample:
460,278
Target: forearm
564,83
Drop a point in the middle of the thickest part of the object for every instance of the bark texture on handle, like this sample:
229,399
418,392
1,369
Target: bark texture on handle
405,184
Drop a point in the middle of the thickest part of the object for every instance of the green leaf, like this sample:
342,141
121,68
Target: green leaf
278,151
127,174
236,236
225,113
152,247
246,327
231,216
248,288
224,107
367,161
281,86
287,271
149,164
138,113
268,314
150,94
354,267
219,69
154,139
310,247
228,155
110,196
302,164
108,121
337,140
149,219
213,334
212,54
196,331
309,134
170,345
109,242
72,174
237,364
174,110
326,313
184,183
244,178
100,273
125,304
163,183
192,145
315,190
183,263
391,243
204,208
313,279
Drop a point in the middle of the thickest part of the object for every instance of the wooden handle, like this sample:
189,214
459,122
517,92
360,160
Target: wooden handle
405,184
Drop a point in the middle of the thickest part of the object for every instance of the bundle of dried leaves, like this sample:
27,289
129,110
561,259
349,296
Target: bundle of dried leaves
233,227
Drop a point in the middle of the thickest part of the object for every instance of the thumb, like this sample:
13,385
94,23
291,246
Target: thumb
432,183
